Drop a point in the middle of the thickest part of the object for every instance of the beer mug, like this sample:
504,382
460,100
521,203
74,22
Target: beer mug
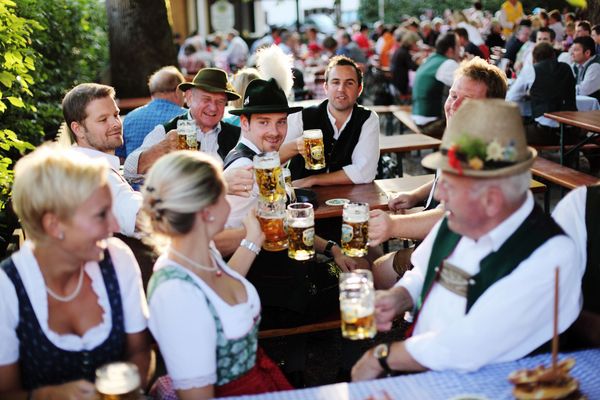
315,149
186,135
271,217
269,178
289,189
118,381
357,304
301,231
355,229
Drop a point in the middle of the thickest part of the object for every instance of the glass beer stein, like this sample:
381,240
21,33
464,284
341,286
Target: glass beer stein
271,217
357,304
315,149
355,229
269,177
118,381
289,189
186,135
301,231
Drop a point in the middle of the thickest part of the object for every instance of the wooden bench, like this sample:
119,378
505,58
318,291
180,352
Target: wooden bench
16,241
405,118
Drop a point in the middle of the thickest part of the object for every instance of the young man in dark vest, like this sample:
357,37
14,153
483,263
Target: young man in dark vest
586,66
578,214
206,96
350,132
481,290
548,86
428,94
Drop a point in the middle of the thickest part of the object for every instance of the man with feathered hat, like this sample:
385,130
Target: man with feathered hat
482,287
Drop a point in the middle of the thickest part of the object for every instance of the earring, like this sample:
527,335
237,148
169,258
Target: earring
61,235
211,218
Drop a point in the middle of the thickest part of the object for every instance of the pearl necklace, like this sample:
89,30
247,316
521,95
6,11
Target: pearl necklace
196,264
66,299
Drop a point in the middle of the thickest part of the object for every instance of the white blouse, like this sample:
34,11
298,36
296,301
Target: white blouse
135,308
185,329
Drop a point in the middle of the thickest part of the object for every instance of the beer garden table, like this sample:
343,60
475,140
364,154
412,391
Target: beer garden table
405,143
589,120
490,382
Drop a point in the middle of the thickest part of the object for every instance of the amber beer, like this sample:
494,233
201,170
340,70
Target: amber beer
301,231
355,229
118,381
271,217
186,135
315,149
357,304
269,177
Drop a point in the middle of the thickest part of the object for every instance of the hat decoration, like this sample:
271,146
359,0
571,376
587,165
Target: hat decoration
479,156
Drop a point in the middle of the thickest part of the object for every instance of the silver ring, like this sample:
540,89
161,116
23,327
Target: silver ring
245,188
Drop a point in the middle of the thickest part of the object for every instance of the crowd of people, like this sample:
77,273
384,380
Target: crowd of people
186,269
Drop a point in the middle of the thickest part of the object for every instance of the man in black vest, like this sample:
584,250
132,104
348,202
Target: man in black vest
578,214
586,66
548,86
350,132
481,289
206,96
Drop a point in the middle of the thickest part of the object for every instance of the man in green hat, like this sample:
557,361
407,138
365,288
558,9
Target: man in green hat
482,287
207,95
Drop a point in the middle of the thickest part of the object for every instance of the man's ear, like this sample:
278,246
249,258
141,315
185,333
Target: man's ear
77,128
493,201
244,123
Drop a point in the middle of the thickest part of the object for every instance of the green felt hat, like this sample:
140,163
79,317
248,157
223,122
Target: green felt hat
213,80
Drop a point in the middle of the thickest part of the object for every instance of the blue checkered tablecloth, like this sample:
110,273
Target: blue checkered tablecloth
489,382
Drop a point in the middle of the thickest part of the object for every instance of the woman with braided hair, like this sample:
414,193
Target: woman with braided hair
203,313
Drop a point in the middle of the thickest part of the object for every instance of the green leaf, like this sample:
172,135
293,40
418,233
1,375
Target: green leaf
16,101
2,106
6,78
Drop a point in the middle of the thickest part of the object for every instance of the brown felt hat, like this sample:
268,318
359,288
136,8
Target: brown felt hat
484,139
213,80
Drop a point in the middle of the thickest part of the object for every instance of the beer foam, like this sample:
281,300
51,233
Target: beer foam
301,222
352,309
313,134
356,218
117,378
267,162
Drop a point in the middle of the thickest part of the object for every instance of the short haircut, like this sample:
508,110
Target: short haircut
481,71
543,51
409,39
462,32
585,25
340,61
53,179
77,99
177,186
548,30
445,43
596,28
555,15
165,80
587,43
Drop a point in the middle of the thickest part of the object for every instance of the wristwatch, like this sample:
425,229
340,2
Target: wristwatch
328,247
381,352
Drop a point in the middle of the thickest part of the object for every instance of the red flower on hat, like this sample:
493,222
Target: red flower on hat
453,160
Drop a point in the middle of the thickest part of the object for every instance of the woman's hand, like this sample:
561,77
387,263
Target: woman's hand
76,390
254,232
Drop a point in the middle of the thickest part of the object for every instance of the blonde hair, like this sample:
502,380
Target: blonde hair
177,186
56,180
240,82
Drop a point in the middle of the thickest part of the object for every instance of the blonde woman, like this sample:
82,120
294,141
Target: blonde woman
203,313
71,298
240,82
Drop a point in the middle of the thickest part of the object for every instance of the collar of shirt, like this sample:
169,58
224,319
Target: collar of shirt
332,120
245,141
497,236
113,160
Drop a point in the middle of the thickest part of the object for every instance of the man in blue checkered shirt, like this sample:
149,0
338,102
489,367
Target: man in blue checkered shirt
166,104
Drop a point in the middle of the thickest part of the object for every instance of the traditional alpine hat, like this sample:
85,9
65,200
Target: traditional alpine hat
264,97
484,139
213,80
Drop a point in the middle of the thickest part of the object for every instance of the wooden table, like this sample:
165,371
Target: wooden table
589,120
399,144
377,193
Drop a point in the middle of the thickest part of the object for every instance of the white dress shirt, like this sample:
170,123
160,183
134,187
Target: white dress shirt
206,140
135,309
569,213
591,81
510,319
365,155
126,202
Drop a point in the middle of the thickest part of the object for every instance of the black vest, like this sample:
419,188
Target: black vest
553,88
338,153
42,363
227,138
591,277
531,234
239,151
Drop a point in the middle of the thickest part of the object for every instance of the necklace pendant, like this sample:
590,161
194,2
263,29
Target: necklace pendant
218,273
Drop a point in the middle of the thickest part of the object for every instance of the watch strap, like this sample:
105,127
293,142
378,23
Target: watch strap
328,247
